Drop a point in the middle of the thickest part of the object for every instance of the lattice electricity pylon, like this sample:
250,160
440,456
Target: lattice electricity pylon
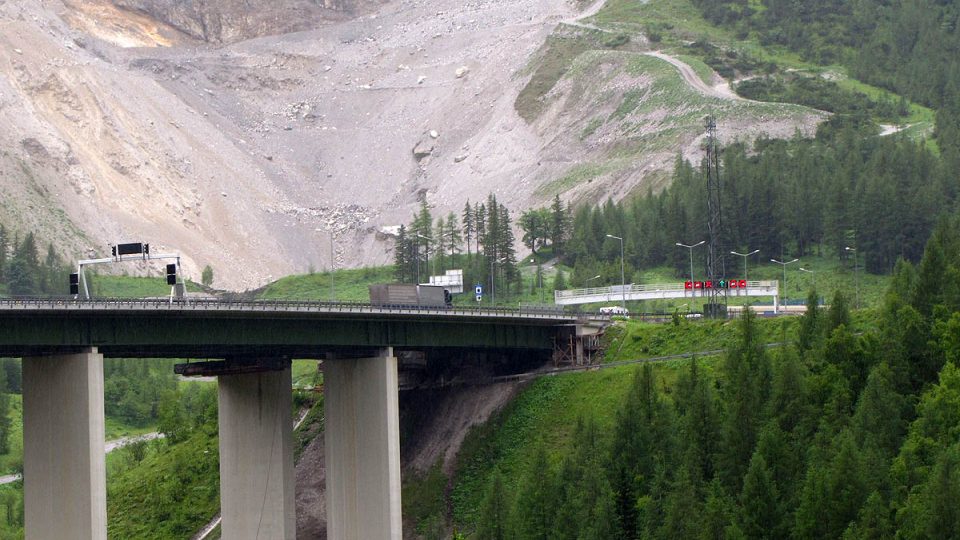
716,296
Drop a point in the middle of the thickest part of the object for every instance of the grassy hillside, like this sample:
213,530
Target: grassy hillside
547,412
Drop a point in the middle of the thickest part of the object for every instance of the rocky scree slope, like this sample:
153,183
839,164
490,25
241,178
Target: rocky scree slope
249,135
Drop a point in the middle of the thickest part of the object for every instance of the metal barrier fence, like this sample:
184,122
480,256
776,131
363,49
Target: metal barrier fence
282,306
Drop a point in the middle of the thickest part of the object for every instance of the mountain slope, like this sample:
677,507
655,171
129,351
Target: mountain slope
251,156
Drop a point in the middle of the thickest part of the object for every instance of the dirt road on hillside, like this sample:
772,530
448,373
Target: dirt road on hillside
721,90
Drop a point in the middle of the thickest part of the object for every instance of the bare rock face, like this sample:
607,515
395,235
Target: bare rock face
225,21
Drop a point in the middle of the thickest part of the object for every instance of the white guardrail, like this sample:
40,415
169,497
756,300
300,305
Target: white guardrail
661,291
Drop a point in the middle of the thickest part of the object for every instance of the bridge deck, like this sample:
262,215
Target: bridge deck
214,329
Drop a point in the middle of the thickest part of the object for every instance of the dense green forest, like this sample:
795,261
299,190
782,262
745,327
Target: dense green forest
909,47
880,195
836,435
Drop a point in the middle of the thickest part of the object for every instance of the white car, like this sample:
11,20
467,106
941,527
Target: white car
614,310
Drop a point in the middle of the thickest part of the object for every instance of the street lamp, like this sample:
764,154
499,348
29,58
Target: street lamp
745,255
623,281
814,274
784,264
692,291
538,274
427,264
856,273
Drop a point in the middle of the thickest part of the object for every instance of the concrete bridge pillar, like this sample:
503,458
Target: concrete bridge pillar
256,456
362,439
64,465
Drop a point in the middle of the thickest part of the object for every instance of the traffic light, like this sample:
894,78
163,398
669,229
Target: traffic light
708,285
171,274
113,250
74,283
722,284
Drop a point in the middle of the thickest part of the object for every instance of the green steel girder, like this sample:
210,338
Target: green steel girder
218,335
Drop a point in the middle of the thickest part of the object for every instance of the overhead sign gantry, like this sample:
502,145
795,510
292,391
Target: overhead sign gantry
130,252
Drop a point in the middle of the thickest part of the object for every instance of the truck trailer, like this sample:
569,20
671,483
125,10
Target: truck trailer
409,295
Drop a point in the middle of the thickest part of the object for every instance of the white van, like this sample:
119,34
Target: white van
614,310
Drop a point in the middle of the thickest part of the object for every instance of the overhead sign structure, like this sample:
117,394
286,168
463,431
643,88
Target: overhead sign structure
130,251
135,248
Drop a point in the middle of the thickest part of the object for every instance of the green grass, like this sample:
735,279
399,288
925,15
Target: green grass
341,285
304,373
12,461
170,494
116,429
554,59
702,70
130,286
578,174
423,500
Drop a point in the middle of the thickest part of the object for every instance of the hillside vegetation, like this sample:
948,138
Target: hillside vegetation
834,434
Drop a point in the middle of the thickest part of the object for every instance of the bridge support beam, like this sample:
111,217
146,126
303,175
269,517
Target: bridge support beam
64,465
362,441
256,456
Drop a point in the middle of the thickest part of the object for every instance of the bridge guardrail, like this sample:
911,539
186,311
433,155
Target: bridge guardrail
204,304
571,294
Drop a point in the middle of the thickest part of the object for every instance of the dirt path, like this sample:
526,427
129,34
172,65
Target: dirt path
577,19
721,91
110,446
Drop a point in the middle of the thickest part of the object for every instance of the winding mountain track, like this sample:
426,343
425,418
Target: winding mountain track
720,91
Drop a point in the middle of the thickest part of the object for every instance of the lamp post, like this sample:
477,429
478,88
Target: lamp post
812,273
856,273
539,275
427,263
745,255
589,279
493,287
784,264
623,281
692,291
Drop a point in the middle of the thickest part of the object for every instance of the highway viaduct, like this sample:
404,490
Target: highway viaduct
248,346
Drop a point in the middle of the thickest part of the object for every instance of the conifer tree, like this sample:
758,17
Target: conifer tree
682,504
873,521
469,226
747,375
810,324
24,268
559,225
760,513
400,262
718,512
